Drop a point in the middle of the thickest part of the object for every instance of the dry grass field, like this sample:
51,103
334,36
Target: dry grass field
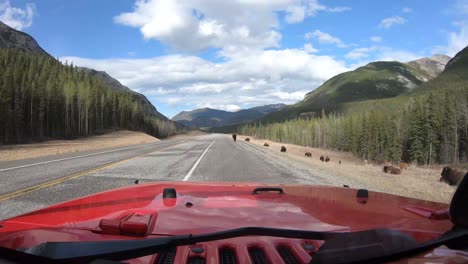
57,147
417,182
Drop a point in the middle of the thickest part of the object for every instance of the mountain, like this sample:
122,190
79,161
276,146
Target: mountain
458,62
432,66
41,98
376,80
207,117
117,86
14,39
454,74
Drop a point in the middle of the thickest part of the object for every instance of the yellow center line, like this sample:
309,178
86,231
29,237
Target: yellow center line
76,175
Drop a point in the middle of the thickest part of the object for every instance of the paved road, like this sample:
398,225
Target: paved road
32,184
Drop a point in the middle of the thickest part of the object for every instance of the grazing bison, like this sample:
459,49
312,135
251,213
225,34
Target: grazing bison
339,162
404,165
283,149
391,170
247,139
322,158
327,159
452,176
308,154
234,136
266,145
386,168
395,170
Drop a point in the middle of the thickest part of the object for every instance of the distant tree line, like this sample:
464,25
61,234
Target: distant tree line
41,98
425,128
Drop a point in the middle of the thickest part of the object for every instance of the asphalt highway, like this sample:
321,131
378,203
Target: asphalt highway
28,185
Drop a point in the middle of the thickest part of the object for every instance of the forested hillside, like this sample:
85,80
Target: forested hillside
41,98
427,126
376,80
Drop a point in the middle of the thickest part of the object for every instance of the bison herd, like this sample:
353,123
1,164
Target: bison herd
449,175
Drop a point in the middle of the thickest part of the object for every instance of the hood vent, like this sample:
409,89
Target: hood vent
254,250
227,256
257,256
167,257
287,256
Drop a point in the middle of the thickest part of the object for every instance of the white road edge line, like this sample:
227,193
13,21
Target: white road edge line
189,174
74,157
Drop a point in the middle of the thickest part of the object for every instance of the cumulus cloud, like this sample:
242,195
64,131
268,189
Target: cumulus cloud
456,41
309,48
381,53
376,39
325,38
295,14
15,17
268,76
192,25
390,21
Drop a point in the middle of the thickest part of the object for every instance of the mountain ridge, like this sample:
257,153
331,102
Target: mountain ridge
208,117
11,38
375,80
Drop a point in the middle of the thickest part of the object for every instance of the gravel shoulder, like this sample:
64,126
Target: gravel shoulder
416,182
58,147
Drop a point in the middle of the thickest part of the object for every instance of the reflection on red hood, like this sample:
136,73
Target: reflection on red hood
210,207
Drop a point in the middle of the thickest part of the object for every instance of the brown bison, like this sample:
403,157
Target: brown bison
452,176
234,137
391,170
308,154
404,165
386,168
283,149
247,139
322,158
327,159
266,145
339,162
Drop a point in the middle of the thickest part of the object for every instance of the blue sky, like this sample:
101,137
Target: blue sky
236,54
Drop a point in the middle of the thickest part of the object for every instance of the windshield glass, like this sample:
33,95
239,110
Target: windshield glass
353,115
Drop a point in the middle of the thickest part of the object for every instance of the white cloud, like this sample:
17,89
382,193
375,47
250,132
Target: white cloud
390,21
15,17
268,76
376,39
381,53
359,53
192,25
309,48
295,14
406,10
225,107
313,7
325,38
339,9
456,41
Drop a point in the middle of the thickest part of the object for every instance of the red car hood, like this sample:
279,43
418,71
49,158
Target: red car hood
210,207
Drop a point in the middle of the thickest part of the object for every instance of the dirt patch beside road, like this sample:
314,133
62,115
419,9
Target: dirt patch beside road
416,182
57,147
